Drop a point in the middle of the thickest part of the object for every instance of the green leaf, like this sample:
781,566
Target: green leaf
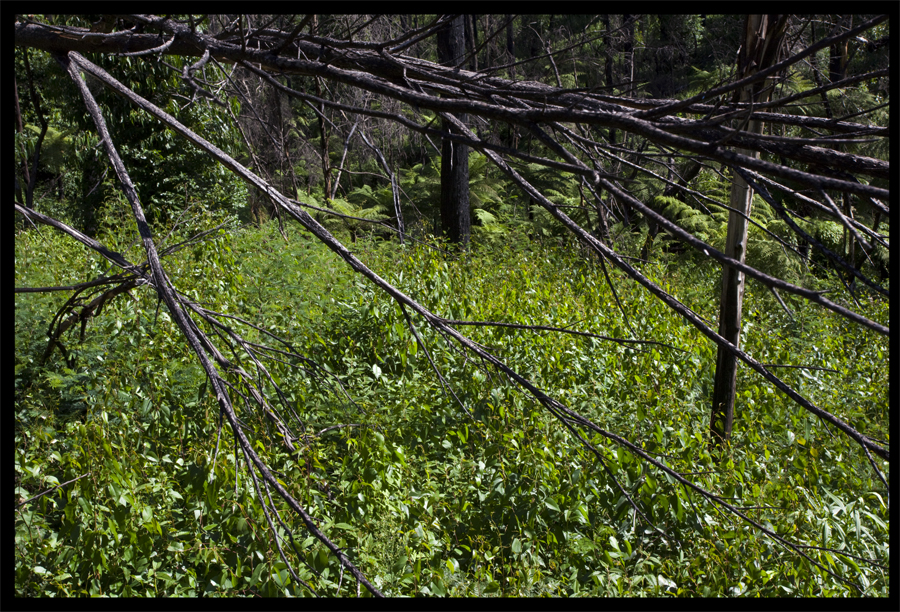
398,452
583,515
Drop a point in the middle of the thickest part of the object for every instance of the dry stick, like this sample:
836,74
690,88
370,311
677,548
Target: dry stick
163,286
269,411
401,230
548,402
323,235
796,548
655,132
426,131
439,324
844,221
584,422
260,368
769,281
609,472
642,128
751,274
20,504
272,527
109,280
290,37
572,136
193,43
561,330
337,180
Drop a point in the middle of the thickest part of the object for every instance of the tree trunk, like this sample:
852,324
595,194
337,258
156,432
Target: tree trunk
456,223
471,41
730,309
19,129
628,48
510,46
838,52
610,47
762,41
323,129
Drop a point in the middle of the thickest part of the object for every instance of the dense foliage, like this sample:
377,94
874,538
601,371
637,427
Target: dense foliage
435,473
428,500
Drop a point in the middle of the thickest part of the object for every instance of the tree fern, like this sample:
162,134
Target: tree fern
703,80
770,256
381,198
488,225
829,233
795,82
561,189
484,189
422,185
703,226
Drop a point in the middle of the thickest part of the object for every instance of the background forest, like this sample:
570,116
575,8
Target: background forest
426,467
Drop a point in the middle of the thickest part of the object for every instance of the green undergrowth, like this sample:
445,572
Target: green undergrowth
484,493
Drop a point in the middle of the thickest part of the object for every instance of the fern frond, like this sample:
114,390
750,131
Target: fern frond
484,217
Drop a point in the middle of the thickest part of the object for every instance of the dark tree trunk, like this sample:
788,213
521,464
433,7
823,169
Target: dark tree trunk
456,223
628,48
19,129
610,46
510,46
323,129
471,41
837,62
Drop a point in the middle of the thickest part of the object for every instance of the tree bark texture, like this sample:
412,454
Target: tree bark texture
456,222
762,42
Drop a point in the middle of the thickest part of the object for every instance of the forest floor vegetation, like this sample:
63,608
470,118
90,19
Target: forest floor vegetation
424,498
